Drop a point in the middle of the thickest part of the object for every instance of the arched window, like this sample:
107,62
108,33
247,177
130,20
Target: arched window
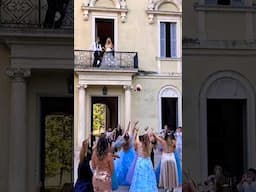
170,109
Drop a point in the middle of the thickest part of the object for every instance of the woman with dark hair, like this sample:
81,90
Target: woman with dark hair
127,155
103,166
169,177
144,178
84,181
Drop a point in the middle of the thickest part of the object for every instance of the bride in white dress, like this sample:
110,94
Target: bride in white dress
108,59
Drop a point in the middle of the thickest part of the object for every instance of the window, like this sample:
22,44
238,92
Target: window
224,2
168,39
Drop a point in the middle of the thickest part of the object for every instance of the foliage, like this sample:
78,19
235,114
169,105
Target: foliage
58,145
99,113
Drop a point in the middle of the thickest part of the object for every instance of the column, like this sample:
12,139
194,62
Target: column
127,106
18,130
81,129
81,113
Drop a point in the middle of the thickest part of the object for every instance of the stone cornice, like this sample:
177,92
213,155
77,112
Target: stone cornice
219,44
37,33
87,9
227,8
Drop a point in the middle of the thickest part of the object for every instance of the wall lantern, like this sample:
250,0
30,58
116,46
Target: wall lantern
104,90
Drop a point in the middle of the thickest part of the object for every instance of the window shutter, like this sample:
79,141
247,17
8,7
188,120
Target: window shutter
162,40
173,39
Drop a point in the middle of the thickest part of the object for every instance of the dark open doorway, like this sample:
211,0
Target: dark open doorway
56,142
104,28
104,112
226,133
169,112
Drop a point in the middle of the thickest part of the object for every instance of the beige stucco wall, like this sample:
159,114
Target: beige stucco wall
225,26
145,104
136,34
5,94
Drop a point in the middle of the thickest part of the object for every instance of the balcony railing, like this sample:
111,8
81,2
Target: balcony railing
36,14
115,60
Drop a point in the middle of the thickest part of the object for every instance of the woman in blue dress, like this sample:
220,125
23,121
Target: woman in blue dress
126,157
144,179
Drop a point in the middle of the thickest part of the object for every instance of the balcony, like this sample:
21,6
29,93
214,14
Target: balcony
108,61
36,15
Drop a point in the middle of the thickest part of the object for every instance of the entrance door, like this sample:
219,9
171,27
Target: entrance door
56,143
104,28
104,112
226,131
169,112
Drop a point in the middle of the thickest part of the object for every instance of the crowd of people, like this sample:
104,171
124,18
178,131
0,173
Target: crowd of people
218,182
126,158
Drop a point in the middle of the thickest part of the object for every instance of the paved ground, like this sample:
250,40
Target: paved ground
126,189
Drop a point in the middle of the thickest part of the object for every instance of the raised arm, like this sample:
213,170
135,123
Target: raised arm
93,159
111,133
128,127
84,150
134,127
161,140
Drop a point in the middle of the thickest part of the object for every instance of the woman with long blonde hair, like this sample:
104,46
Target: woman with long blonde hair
144,178
108,59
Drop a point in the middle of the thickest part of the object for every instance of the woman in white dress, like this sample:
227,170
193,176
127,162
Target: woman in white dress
168,169
108,59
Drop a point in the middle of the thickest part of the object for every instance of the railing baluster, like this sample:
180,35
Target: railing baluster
84,59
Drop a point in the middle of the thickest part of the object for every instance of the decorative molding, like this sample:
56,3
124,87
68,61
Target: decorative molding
18,74
219,44
120,8
154,5
127,87
82,86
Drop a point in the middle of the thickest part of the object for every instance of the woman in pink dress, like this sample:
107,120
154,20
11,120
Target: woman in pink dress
103,165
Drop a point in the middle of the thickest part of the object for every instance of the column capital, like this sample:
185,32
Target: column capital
82,86
18,74
127,87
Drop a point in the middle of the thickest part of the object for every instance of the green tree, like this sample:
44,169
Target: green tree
99,113
58,145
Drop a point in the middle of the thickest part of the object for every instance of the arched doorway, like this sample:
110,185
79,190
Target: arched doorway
227,124
104,114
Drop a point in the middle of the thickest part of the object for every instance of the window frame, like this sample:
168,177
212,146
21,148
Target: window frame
178,37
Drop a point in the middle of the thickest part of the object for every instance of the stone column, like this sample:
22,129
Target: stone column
81,130
127,106
81,113
18,130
